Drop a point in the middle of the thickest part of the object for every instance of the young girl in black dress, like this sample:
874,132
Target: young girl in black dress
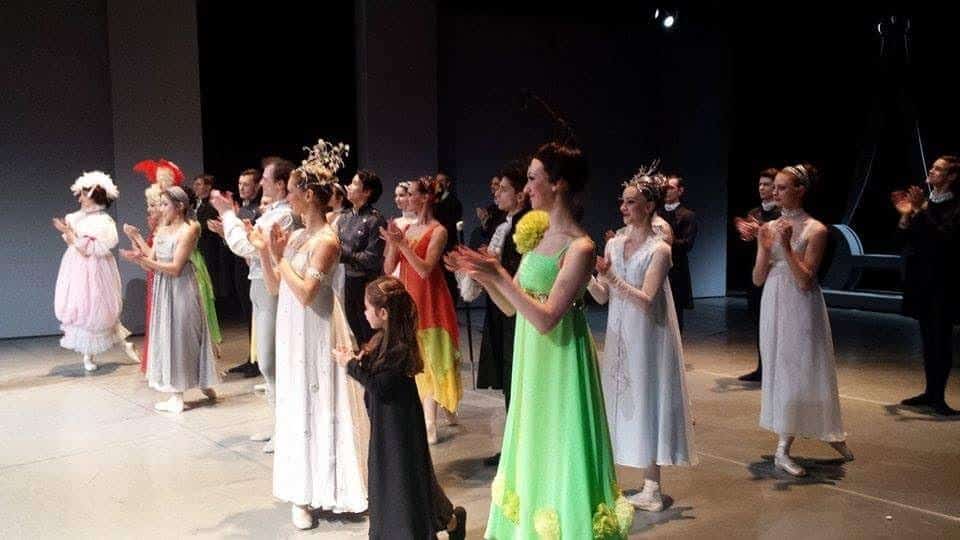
405,500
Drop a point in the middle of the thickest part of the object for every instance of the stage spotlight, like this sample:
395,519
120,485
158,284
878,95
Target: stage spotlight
656,13
669,21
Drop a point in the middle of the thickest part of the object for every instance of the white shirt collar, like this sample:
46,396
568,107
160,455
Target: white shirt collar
768,205
671,207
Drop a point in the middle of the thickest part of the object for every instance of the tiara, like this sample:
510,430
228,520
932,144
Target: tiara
324,158
648,181
801,173
645,175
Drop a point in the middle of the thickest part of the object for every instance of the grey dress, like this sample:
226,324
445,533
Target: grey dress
180,350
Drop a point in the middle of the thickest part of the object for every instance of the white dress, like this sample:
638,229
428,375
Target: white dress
322,430
799,394
642,370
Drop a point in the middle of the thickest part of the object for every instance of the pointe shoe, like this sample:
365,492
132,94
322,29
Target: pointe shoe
649,501
843,450
262,387
174,405
88,364
268,447
432,436
210,393
301,516
261,437
789,466
131,350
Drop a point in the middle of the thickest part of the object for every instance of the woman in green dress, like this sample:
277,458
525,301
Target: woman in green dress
556,476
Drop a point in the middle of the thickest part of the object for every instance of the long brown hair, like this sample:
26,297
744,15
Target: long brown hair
395,347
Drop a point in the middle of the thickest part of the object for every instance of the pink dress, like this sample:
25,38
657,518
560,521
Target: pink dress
88,296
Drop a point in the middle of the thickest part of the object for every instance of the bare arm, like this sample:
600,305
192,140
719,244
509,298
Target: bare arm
573,276
186,243
597,287
391,258
804,268
761,266
652,280
322,258
137,240
424,266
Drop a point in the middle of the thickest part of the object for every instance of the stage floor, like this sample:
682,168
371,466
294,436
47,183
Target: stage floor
85,456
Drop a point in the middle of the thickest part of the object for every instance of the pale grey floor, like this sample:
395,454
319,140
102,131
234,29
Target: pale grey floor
85,456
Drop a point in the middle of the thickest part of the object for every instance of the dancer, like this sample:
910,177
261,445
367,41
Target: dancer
401,194
496,345
406,502
767,211
931,293
556,476
88,297
642,370
339,204
180,347
318,454
361,247
276,172
161,174
799,394
248,209
417,250
683,227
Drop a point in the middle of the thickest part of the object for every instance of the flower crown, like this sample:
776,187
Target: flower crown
324,159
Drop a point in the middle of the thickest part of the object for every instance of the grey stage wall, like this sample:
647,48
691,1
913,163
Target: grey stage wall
87,85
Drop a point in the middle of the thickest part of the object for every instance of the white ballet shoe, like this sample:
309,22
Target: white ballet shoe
261,437
174,404
649,501
210,393
131,350
88,364
432,435
786,464
262,387
301,516
268,447
842,448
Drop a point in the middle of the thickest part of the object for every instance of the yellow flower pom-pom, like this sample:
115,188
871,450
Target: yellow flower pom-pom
511,506
605,523
530,230
547,524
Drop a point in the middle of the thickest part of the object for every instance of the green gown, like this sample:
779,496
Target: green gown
556,477
207,300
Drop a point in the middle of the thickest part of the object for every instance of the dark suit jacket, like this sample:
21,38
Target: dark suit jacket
448,212
683,221
931,259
